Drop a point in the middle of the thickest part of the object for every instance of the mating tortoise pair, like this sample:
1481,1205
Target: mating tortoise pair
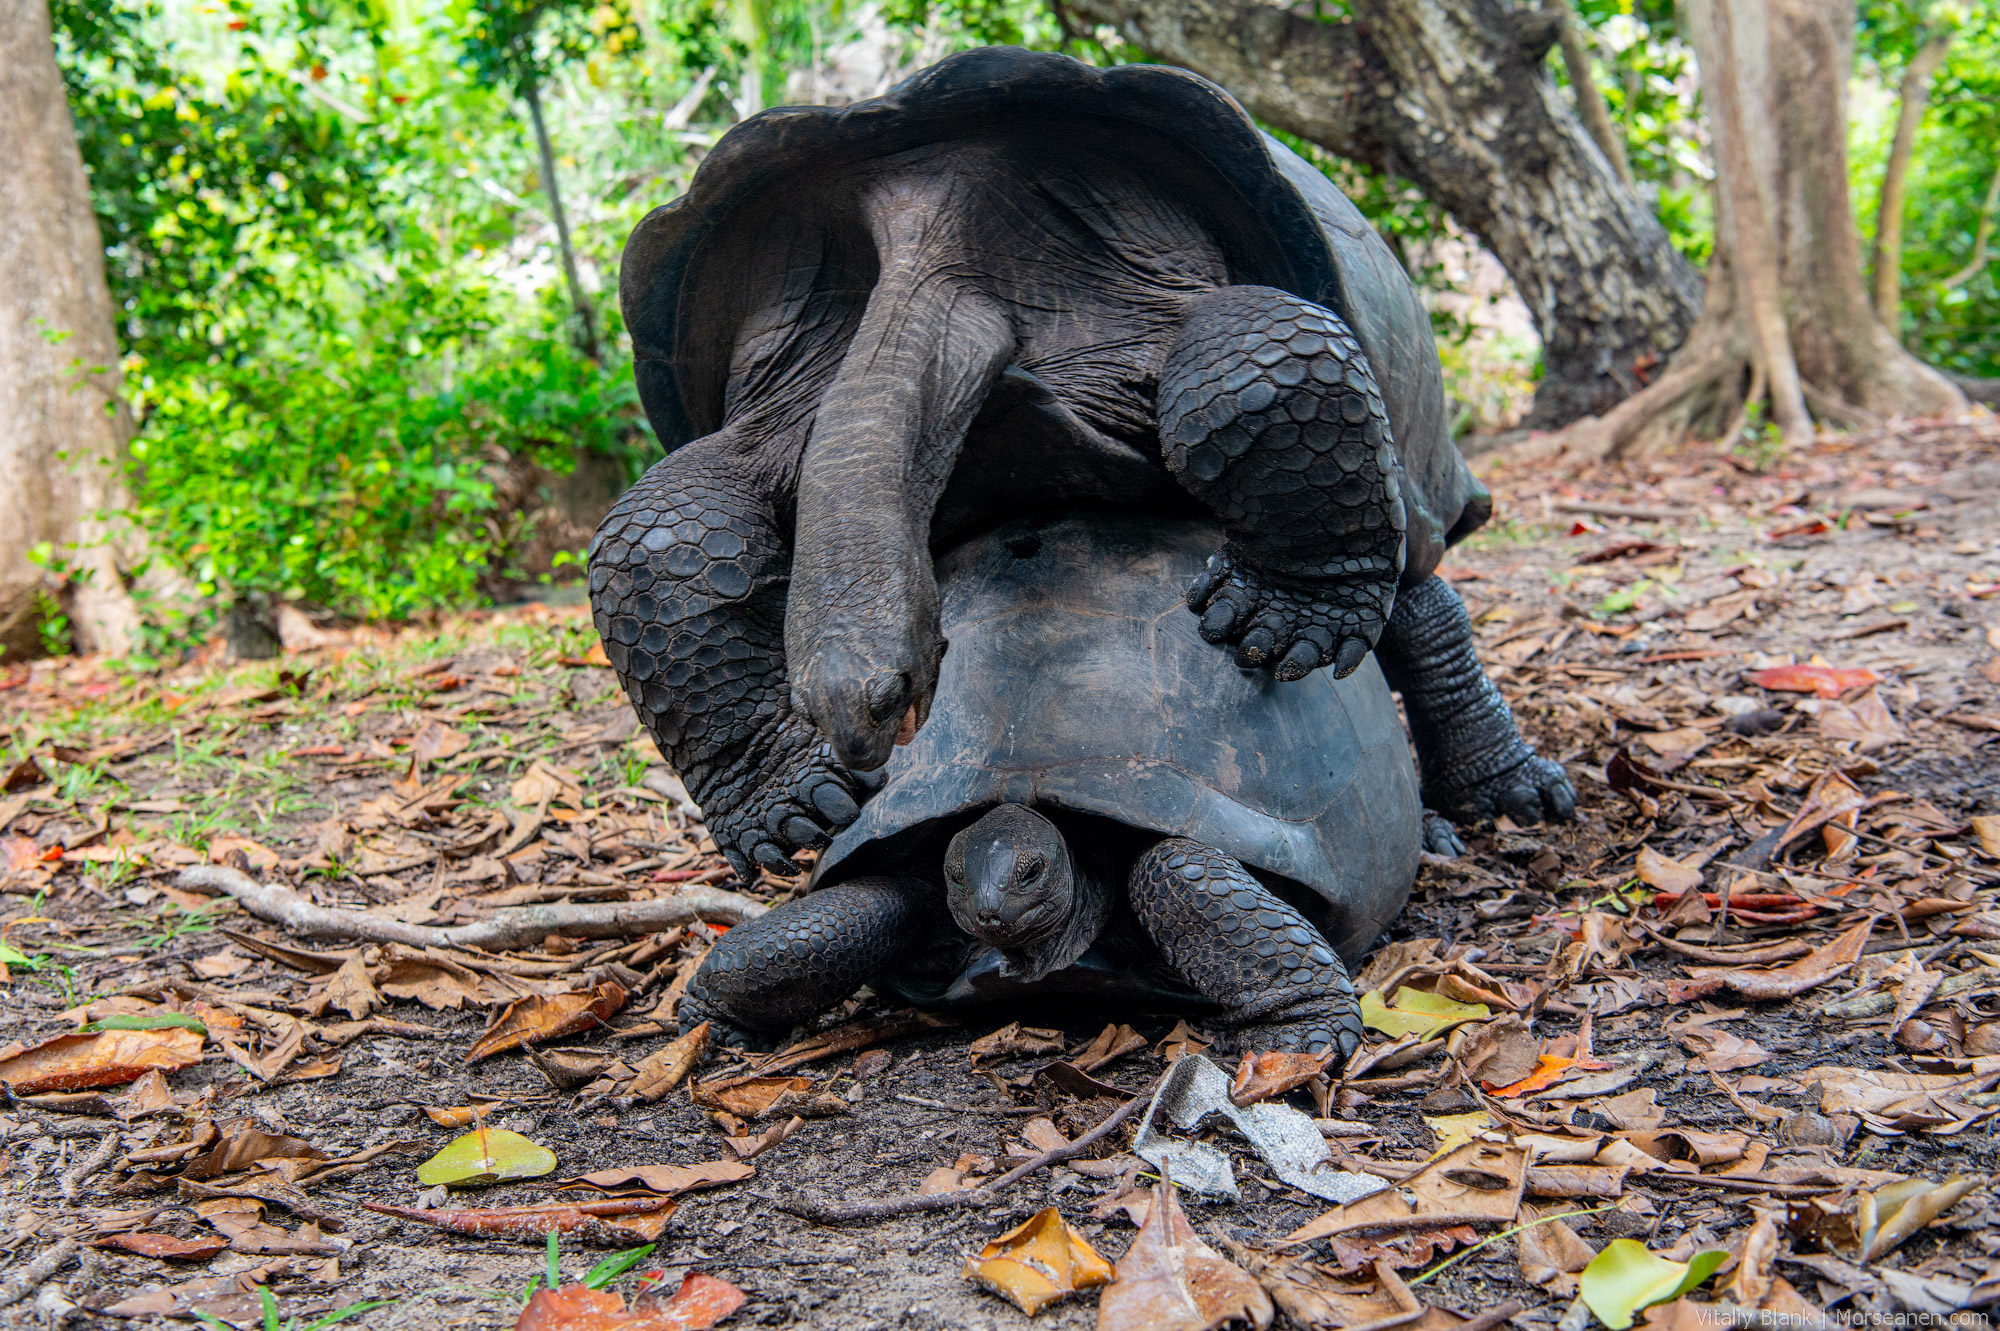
1006,359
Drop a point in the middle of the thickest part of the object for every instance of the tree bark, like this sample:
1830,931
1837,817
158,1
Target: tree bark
1841,347
1887,258
63,426
586,316
1455,96
1787,308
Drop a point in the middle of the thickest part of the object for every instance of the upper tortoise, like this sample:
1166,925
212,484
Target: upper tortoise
1018,282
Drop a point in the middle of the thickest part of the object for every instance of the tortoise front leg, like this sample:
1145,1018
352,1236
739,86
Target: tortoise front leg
786,967
1237,943
1269,414
1474,762
688,575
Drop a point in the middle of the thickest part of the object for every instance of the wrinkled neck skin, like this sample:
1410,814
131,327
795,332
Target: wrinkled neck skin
861,621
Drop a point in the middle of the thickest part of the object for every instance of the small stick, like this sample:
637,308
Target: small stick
39,1270
96,1160
513,926
834,1213
1491,1318
970,1109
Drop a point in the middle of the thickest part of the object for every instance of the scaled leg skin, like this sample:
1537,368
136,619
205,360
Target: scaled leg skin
785,968
688,575
1240,945
1475,763
1270,415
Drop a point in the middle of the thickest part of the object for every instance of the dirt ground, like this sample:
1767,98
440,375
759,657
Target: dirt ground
433,775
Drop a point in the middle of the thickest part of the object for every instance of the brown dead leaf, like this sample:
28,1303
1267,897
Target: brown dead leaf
1180,1042
1865,721
1665,873
436,741
1261,1076
1499,1052
748,1097
242,1144
1014,1038
1169,1280
844,1039
1762,983
1479,1179
1311,1295
106,1058
165,1246
224,965
748,1148
248,1234
1551,1254
1112,1043
437,983
668,1180
699,1303
536,1018
352,991
545,783
615,1224
668,1066
1633,1110
223,849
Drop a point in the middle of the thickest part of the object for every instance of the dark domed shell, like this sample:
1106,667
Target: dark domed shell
1077,679
775,192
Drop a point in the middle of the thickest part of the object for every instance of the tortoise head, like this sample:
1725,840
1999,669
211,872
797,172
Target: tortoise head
1009,879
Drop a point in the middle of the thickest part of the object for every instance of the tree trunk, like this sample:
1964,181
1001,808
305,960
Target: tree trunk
586,316
1787,309
1455,96
1887,260
1590,105
63,426
1841,347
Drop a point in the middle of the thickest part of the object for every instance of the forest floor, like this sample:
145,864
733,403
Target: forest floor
1738,1070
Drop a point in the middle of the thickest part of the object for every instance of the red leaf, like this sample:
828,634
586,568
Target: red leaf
698,1304
1826,681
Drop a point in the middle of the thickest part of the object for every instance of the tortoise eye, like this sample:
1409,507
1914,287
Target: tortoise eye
1031,871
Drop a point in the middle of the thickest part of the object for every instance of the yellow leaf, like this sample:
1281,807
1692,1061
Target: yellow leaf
1038,1262
1417,1013
488,1155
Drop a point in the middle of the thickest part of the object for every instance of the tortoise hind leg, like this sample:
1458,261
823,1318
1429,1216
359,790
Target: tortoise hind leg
1238,944
1475,763
1269,414
786,967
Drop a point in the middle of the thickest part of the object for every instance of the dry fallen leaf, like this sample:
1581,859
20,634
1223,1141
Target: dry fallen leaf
666,1067
535,1019
1112,1043
166,1246
668,1180
352,991
1038,1262
748,1097
241,1144
1478,1179
1666,873
1261,1076
1826,681
106,1058
622,1223
1169,1280
1824,963
1014,1038
699,1303
1865,1226
1182,1040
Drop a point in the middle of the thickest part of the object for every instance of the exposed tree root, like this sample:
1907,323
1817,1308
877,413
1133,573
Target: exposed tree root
509,928
39,1270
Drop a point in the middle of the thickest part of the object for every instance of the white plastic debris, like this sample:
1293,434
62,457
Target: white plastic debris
1284,1137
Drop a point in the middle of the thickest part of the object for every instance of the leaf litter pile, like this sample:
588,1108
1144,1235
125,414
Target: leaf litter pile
343,987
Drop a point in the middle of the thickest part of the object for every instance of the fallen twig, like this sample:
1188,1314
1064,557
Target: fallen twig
835,1213
970,1109
1491,1318
511,927
96,1160
39,1270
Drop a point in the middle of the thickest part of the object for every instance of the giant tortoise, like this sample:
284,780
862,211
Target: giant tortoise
1016,281
1093,808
